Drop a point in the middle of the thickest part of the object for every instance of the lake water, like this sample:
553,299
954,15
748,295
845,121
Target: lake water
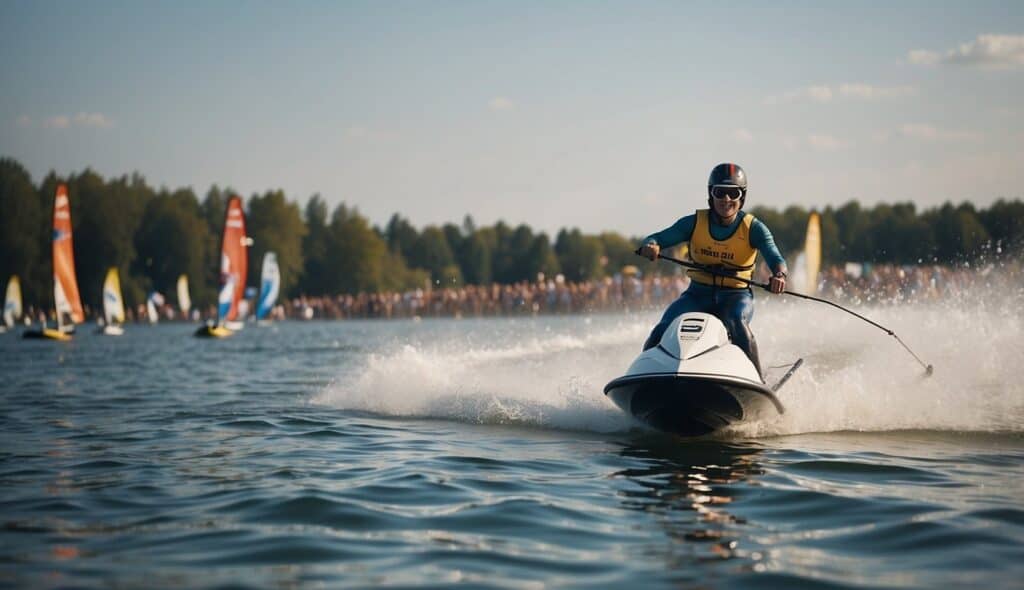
483,453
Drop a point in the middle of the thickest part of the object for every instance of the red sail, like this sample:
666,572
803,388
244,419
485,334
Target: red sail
65,285
234,256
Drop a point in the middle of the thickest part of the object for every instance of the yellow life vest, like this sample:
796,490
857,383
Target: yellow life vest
734,255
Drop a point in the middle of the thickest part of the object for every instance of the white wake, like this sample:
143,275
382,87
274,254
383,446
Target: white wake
550,372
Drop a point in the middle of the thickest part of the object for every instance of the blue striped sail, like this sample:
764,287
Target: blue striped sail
270,286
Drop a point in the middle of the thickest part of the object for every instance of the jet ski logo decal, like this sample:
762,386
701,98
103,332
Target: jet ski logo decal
690,329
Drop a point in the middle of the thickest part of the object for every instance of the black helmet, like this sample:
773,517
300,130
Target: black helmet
728,174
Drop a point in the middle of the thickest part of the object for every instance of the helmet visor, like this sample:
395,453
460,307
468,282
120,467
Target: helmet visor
726,191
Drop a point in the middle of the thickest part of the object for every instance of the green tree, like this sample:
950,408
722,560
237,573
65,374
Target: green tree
959,233
453,234
106,221
213,208
401,236
356,255
831,247
619,250
171,241
855,240
432,253
514,264
579,256
21,214
475,258
502,257
314,247
541,258
1004,222
900,236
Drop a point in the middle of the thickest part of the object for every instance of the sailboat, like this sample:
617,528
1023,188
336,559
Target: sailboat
184,300
153,304
270,286
65,285
234,260
12,304
113,305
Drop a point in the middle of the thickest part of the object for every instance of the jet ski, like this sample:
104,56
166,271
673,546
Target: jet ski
695,381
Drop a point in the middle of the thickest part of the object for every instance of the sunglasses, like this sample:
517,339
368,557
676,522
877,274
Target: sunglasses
732,193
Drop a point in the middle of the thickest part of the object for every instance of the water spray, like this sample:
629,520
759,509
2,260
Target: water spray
928,369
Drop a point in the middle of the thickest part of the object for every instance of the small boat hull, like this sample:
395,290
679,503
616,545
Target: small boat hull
213,332
47,334
691,405
694,381
112,330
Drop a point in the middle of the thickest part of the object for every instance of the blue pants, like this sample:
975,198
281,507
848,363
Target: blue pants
735,307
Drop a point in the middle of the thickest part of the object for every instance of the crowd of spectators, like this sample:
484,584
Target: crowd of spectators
888,284
623,292
631,291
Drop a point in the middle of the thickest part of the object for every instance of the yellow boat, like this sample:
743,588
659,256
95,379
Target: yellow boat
213,332
47,334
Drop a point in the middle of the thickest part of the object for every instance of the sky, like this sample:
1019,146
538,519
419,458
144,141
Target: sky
589,114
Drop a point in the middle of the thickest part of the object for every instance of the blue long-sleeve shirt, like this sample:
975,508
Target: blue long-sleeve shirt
760,237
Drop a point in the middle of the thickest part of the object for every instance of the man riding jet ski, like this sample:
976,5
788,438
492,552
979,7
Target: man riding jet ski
726,240
700,369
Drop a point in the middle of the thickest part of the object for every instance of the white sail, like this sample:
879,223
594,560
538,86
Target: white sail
61,304
60,301
152,303
270,286
224,299
12,302
184,300
113,303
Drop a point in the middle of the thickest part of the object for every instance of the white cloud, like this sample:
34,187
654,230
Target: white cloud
819,93
824,142
869,92
815,141
987,51
815,93
57,122
849,90
743,135
923,57
501,103
93,120
98,120
926,132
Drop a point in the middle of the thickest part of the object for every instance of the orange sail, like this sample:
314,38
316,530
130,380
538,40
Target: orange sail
65,285
234,257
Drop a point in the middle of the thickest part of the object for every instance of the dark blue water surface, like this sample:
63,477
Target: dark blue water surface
476,453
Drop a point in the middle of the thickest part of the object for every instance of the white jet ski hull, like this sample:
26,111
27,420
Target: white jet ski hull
694,382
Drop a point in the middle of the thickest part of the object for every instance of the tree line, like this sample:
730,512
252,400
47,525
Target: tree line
153,235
